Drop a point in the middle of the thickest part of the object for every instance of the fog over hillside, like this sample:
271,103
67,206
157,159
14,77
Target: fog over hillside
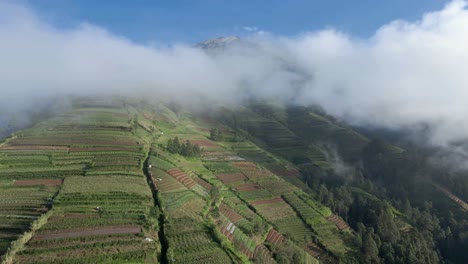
407,74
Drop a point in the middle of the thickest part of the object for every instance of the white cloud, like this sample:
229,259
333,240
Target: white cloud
406,74
250,28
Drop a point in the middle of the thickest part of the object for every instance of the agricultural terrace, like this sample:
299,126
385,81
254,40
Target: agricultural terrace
85,168
241,241
182,198
182,206
235,206
280,140
288,224
188,236
191,242
261,188
206,144
112,212
326,225
283,171
252,153
104,209
165,182
21,203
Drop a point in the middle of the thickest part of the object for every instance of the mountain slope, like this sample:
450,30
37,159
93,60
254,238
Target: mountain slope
224,206
349,172
267,183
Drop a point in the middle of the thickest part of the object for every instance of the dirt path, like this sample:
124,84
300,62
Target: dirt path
154,191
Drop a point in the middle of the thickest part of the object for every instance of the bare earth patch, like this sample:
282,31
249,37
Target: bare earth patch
248,187
231,177
204,143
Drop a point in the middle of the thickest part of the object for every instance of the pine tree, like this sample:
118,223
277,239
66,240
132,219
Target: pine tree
216,135
370,249
177,145
173,145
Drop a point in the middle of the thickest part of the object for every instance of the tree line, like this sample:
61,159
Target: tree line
186,149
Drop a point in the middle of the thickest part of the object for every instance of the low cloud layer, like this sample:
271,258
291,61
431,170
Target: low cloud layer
408,74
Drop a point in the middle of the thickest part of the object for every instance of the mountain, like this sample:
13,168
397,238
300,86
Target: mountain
218,44
141,181
127,179
108,174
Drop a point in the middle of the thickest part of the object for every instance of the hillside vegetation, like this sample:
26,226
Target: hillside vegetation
106,182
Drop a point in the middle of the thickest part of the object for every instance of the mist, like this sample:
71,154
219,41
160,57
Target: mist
407,74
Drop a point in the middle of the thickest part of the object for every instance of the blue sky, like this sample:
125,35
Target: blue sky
411,73
191,21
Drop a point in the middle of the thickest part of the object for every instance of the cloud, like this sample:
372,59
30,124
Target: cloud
408,74
250,28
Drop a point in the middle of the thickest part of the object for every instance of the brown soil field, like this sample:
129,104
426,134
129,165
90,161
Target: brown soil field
203,183
231,177
120,115
244,164
182,177
275,237
229,213
248,187
204,143
340,223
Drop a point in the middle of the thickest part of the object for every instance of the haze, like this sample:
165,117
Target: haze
407,74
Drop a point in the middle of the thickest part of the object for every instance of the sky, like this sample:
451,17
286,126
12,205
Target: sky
192,21
404,70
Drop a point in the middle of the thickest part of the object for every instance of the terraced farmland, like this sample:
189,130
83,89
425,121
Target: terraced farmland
21,205
275,136
104,210
326,225
316,128
188,236
103,188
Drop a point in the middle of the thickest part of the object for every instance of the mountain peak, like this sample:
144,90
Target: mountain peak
218,43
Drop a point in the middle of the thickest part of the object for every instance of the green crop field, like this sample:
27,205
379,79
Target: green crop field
100,187
104,199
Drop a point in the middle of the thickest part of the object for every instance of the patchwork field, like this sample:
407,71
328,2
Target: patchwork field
188,235
104,209
21,205
98,185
